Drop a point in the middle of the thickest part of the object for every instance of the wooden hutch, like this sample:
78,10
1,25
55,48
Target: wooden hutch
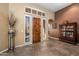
68,32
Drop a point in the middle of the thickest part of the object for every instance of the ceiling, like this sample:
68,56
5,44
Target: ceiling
53,6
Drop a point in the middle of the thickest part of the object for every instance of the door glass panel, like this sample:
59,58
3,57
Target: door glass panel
44,25
44,34
27,28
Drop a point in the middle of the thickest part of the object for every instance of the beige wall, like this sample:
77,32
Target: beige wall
3,26
18,11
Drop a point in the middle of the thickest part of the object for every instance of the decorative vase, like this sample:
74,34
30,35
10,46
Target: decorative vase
11,33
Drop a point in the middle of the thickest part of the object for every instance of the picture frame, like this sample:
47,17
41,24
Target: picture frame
54,25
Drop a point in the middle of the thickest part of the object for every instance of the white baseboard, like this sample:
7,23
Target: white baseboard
20,45
53,38
7,48
3,51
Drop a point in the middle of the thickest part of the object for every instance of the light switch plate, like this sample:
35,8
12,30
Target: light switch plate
21,30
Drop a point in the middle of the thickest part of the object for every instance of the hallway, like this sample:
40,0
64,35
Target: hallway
50,47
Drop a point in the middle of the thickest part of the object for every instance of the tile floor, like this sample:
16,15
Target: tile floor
49,47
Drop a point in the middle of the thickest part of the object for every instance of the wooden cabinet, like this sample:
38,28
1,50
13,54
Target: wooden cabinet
68,32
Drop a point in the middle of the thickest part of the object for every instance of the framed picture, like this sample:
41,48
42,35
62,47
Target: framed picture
54,25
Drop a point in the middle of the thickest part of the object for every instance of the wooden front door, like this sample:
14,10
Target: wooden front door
36,30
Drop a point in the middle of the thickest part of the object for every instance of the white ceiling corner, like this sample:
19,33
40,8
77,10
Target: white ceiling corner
53,7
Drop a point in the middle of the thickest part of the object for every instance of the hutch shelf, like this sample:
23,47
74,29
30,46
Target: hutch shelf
68,32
